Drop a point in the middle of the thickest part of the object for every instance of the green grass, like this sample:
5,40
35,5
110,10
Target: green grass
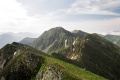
10,64
73,72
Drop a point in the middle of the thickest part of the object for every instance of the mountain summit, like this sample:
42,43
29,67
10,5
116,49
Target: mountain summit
89,51
53,39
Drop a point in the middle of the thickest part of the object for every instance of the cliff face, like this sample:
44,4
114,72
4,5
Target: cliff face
95,54
88,51
17,64
51,73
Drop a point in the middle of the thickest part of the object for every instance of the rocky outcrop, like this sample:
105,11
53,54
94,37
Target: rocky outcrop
51,73
20,64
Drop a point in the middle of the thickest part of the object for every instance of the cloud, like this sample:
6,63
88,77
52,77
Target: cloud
93,26
103,7
86,10
11,14
15,9
14,17
44,6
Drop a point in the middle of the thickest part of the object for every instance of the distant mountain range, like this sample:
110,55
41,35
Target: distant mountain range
10,37
113,33
112,38
27,40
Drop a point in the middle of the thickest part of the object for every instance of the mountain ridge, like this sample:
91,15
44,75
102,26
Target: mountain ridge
92,57
88,51
9,37
85,50
47,41
27,63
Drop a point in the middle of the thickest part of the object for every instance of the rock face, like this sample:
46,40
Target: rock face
6,55
54,39
20,66
51,73
88,51
21,62
95,54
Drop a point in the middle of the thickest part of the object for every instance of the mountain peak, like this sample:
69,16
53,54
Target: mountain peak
55,32
54,37
49,38
76,31
57,29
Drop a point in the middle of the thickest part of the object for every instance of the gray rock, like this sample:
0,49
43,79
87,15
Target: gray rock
2,78
51,73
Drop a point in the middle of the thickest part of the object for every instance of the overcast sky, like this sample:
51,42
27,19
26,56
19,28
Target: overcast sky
39,15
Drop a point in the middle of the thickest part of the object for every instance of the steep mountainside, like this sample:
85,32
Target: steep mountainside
118,43
95,54
88,51
27,40
21,62
53,39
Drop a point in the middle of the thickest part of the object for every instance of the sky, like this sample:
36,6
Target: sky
37,16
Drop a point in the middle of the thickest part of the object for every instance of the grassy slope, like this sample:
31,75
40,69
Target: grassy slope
98,56
73,72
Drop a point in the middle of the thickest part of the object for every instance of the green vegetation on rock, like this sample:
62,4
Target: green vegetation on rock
88,51
118,43
53,39
27,63
95,54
